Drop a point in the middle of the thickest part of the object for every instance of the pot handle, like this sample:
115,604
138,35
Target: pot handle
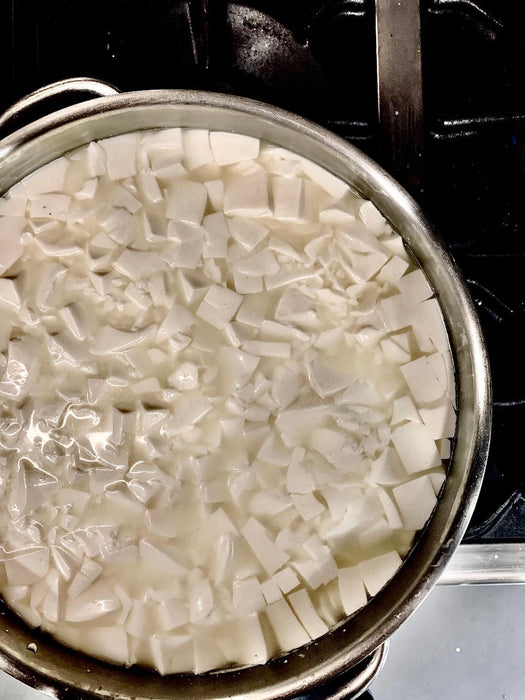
354,682
61,87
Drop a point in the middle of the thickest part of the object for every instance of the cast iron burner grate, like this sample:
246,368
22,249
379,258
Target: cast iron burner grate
460,151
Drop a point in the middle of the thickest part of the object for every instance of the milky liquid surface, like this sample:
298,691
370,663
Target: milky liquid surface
226,396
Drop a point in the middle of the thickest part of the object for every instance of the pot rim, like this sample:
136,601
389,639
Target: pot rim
288,675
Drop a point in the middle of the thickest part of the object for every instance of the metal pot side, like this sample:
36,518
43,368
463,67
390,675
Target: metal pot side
62,672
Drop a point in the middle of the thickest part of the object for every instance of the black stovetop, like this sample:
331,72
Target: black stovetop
318,59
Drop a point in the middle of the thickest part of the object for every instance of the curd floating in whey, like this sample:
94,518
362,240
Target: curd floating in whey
226,395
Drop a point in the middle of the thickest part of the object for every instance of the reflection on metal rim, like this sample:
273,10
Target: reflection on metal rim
486,563
295,673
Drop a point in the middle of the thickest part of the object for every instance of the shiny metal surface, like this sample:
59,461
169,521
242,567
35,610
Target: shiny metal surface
400,88
498,562
70,86
55,668
463,643
351,685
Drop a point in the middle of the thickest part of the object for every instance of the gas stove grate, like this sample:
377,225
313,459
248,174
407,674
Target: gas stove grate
462,155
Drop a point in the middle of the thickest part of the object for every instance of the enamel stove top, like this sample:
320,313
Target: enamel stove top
450,127
441,106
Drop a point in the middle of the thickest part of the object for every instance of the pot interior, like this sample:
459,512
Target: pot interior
55,668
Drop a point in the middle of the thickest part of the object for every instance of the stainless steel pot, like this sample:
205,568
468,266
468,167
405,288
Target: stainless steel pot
66,673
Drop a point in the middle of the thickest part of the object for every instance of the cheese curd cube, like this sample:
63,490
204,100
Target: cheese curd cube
219,306
248,232
288,198
121,155
215,193
109,642
264,549
11,247
415,286
378,571
351,589
425,378
440,419
187,201
27,568
172,653
197,151
217,236
229,148
287,628
416,447
371,217
416,500
326,180
50,206
307,614
13,205
247,195
48,178
244,641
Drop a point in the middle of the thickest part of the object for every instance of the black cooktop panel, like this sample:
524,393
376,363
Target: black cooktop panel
317,58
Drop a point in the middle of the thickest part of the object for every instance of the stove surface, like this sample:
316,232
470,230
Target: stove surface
451,662
318,59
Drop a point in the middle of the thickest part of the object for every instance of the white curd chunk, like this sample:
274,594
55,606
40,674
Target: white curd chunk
227,399
287,628
49,178
247,195
197,151
415,500
187,201
307,614
11,247
121,155
219,306
377,571
229,148
351,589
